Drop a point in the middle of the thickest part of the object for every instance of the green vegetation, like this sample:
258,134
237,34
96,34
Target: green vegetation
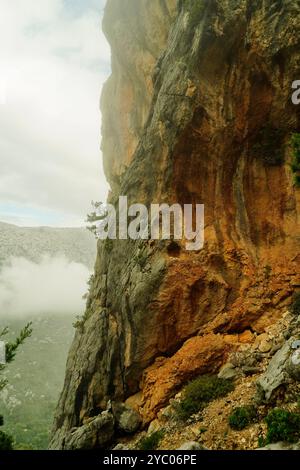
282,425
141,259
108,244
35,378
196,9
81,319
152,441
295,166
198,393
295,306
268,146
6,440
242,417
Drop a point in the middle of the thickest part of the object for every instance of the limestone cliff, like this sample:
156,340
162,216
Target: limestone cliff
197,110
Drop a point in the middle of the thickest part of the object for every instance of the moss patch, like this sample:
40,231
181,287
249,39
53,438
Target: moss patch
152,441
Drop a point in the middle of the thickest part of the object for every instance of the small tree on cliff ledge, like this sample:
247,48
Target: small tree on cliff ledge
98,213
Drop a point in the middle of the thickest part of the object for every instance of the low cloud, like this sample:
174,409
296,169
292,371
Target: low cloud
53,286
53,62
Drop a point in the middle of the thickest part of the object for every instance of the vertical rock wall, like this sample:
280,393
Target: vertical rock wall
197,110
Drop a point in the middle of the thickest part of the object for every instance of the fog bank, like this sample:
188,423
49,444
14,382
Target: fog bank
52,286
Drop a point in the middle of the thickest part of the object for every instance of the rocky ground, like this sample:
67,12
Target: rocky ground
248,367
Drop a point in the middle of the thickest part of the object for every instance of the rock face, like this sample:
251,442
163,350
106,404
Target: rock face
197,110
127,419
276,373
284,365
98,432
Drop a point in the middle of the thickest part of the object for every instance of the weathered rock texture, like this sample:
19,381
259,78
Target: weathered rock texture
197,110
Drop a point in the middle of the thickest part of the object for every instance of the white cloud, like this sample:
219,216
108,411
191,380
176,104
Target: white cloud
53,286
53,62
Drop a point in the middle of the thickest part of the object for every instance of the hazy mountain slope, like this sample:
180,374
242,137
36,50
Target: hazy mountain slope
77,244
35,379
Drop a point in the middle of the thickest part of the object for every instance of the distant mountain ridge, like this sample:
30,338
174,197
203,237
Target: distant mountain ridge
76,244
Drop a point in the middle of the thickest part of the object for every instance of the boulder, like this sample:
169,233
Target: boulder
228,371
96,433
154,426
276,373
281,446
127,419
293,365
121,447
191,445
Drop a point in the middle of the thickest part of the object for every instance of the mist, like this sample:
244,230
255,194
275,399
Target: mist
53,286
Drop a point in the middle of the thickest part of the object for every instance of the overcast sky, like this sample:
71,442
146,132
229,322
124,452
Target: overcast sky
53,62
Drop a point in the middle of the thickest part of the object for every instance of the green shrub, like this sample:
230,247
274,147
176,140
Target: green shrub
295,306
282,425
141,259
242,416
108,245
196,9
295,166
261,442
297,181
6,441
268,146
198,393
152,441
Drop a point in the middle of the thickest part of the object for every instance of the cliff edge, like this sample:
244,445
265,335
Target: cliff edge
197,110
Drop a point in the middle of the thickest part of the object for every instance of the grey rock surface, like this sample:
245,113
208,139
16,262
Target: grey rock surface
281,446
127,419
276,373
95,434
228,371
191,445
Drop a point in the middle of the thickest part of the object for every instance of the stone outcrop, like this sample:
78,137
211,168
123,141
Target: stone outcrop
197,110
276,373
97,432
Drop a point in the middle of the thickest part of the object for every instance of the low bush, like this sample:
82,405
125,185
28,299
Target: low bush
152,441
242,417
198,393
6,441
282,425
295,305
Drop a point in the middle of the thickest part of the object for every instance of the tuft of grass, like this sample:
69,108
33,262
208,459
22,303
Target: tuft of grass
198,393
242,417
152,441
282,425
295,305
295,166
